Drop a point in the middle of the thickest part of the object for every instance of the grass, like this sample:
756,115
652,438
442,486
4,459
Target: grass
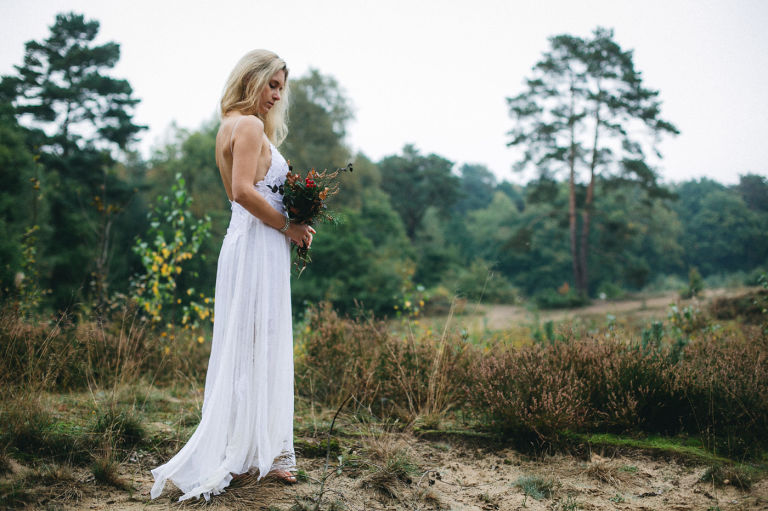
536,486
651,444
52,483
739,475
391,465
96,418
106,470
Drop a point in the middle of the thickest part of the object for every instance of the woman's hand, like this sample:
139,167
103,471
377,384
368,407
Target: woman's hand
301,234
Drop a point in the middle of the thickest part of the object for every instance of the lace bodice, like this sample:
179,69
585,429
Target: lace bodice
275,177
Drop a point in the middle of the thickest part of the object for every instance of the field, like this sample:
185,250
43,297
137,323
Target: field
419,443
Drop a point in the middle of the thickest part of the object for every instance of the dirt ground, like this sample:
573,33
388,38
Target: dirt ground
446,474
451,476
502,317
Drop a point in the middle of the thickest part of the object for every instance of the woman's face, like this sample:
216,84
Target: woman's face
271,93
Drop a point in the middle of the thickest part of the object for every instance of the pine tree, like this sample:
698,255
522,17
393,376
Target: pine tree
585,111
81,119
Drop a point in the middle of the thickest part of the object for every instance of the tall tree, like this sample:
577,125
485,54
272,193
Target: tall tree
585,111
318,115
82,119
17,201
415,182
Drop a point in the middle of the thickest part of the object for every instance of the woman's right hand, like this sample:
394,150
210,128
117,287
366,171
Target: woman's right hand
301,234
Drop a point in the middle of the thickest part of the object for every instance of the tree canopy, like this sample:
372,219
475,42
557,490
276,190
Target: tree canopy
583,113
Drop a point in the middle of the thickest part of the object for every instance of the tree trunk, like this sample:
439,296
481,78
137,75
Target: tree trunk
586,214
572,196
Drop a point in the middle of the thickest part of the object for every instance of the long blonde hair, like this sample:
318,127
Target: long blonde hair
247,80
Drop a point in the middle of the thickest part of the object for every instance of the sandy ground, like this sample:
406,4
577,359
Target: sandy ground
502,317
457,476
450,474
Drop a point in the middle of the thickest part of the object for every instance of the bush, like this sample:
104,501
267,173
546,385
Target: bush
747,308
695,285
30,431
713,386
559,299
528,393
480,283
406,377
69,353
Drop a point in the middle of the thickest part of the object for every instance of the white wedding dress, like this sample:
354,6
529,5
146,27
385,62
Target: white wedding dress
247,416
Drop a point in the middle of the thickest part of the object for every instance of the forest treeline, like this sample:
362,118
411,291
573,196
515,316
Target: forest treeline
77,202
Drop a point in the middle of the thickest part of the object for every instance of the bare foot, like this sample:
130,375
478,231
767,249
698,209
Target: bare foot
284,476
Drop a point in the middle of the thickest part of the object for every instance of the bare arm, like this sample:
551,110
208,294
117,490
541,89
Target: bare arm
248,142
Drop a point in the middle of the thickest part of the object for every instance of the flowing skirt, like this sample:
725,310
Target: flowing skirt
247,416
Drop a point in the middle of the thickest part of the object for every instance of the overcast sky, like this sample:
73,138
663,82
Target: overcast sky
436,73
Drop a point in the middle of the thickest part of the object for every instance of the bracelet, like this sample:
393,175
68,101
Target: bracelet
286,226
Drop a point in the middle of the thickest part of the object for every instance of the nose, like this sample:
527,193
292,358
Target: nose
276,95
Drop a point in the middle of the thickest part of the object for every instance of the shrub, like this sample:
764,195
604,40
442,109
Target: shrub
695,285
528,393
30,431
714,386
559,299
536,486
480,283
748,307
121,428
403,376
70,353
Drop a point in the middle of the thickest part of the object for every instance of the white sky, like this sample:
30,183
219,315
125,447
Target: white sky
435,73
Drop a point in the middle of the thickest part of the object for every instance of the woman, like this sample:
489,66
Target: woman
247,417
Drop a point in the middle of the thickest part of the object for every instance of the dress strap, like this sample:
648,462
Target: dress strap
232,133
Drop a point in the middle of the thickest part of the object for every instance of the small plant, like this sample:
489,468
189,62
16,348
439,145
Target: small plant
652,337
569,504
120,428
5,463
618,498
174,236
105,470
536,487
721,475
695,285
761,300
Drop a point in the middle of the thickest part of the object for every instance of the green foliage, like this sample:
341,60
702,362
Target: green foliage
18,203
716,219
175,236
695,285
580,114
415,182
536,486
121,427
562,298
319,112
81,118
349,270
480,282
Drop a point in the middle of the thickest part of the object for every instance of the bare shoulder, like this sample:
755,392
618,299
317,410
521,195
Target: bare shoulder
249,125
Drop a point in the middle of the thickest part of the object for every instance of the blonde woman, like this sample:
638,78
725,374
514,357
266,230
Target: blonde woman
247,416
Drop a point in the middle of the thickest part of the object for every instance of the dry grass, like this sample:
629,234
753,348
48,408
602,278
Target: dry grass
609,472
391,465
65,352
407,377
243,493
48,484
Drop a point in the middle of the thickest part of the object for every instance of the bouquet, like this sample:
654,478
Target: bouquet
305,200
